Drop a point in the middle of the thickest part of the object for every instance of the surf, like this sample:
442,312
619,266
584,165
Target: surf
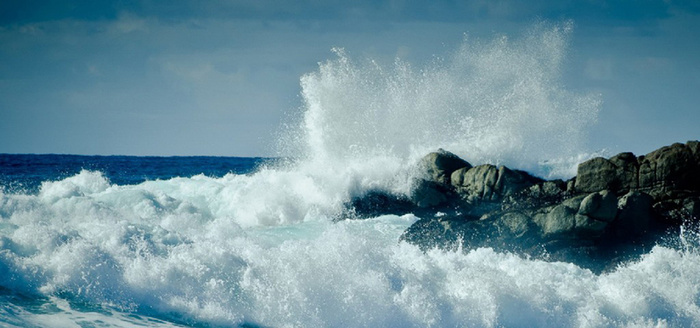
275,245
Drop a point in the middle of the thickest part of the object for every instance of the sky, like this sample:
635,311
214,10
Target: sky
147,77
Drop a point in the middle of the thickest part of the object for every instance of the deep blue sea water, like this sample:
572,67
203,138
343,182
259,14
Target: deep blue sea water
120,241
27,171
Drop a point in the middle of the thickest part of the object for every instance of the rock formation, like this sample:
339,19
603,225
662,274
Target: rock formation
613,209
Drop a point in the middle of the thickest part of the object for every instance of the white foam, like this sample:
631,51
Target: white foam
499,102
157,246
262,248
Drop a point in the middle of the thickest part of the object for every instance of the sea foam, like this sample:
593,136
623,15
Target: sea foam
268,248
151,248
499,102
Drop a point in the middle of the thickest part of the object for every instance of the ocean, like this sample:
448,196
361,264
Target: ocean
124,241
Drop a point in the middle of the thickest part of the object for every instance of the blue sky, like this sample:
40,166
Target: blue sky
145,77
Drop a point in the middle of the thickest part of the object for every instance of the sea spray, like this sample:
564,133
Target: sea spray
263,248
157,250
499,102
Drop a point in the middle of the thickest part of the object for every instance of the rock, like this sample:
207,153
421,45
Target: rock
619,173
490,183
678,211
669,168
553,188
428,194
600,206
662,173
694,147
571,185
635,214
541,194
588,225
512,181
692,207
431,233
566,218
514,224
595,174
439,165
560,219
626,172
476,183
376,202
614,210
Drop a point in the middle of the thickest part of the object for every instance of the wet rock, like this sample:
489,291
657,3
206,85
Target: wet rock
596,174
439,165
476,183
601,206
668,172
635,214
613,210
490,183
432,187
427,194
670,168
515,225
619,173
626,171
376,202
433,232
559,219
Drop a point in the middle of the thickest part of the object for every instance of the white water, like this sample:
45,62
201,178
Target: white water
263,249
499,102
173,247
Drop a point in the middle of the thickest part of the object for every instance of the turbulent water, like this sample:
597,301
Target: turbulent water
132,241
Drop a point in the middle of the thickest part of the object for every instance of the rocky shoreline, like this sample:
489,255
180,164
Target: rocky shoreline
613,209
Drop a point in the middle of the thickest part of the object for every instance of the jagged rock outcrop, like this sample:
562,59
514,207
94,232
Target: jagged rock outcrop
613,209
490,183
439,165
432,188
664,173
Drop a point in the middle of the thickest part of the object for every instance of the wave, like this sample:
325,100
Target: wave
265,249
155,249
498,102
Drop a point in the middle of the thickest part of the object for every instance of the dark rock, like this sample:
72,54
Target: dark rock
538,195
557,219
601,206
635,214
619,173
626,171
428,194
571,185
476,183
691,206
515,225
694,147
669,168
677,211
433,232
432,187
376,202
596,174
565,218
668,172
614,210
490,183
439,165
